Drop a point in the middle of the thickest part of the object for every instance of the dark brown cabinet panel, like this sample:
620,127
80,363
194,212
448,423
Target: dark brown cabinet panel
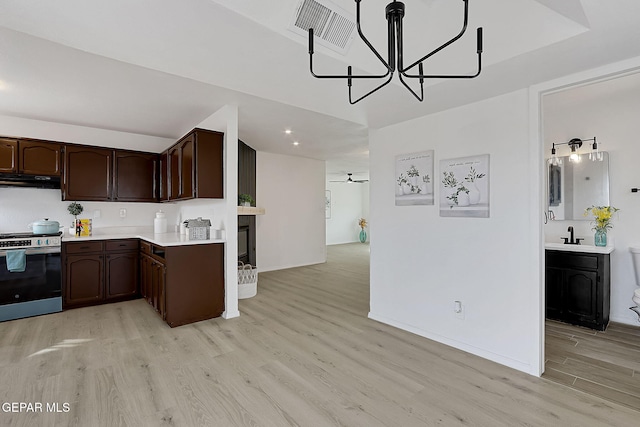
40,158
577,287
8,155
187,169
209,164
174,173
87,173
121,275
135,177
164,176
196,166
194,283
84,279
152,278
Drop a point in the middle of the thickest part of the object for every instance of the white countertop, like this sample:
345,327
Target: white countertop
579,248
144,233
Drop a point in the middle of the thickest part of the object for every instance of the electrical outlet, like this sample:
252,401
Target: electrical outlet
96,214
123,213
458,309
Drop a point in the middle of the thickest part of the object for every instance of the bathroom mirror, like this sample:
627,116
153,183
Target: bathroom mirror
574,186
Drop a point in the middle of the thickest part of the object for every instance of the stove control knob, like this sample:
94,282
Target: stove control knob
46,242
39,242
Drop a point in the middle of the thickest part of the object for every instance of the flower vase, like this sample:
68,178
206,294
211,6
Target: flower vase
600,238
474,193
363,236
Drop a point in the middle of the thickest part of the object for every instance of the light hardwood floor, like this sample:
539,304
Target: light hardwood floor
302,353
605,364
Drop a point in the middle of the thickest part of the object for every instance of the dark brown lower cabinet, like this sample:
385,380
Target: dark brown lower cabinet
577,288
152,279
84,281
121,275
184,284
99,271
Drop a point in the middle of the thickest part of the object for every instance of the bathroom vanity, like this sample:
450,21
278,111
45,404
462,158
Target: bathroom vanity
578,284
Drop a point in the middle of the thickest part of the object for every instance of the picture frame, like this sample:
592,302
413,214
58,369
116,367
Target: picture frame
464,187
414,179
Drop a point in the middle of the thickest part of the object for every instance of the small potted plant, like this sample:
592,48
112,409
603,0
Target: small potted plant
245,200
75,209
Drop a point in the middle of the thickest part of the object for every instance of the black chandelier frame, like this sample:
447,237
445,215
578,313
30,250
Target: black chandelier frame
395,13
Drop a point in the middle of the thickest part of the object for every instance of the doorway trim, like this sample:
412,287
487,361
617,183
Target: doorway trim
537,164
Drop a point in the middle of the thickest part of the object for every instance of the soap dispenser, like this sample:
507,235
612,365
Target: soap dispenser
160,223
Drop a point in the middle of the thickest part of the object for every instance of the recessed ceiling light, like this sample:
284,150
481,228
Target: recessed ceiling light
296,143
287,131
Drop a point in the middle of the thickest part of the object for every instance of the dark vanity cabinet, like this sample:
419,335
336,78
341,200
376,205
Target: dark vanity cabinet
578,288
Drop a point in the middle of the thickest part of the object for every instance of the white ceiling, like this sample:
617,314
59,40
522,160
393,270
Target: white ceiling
158,67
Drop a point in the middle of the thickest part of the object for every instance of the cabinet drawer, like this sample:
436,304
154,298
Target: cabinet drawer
561,259
121,245
145,247
84,247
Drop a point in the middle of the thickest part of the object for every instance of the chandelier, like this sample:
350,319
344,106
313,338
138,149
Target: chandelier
395,13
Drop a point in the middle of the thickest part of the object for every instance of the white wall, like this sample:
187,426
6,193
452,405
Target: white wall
349,203
608,110
224,213
421,262
292,232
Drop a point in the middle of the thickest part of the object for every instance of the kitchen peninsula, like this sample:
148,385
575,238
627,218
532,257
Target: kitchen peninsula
183,280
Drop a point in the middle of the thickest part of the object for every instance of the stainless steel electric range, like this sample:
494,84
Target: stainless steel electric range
36,287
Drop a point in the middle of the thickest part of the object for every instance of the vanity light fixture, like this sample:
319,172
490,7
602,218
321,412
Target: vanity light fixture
574,144
395,12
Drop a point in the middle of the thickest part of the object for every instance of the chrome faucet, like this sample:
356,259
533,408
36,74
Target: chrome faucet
570,230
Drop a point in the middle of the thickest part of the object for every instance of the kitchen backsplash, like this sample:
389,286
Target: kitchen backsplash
19,207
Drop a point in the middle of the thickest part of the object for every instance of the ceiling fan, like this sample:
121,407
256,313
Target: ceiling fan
350,180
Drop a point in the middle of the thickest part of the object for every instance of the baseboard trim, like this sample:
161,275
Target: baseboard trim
506,361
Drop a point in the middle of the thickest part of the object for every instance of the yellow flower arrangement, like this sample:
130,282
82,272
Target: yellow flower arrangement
362,223
602,216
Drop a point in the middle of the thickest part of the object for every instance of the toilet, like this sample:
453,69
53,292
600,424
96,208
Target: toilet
635,256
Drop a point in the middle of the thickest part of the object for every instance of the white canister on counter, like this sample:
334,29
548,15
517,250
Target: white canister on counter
160,223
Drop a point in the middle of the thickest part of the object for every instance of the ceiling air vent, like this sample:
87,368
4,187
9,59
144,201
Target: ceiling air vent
333,26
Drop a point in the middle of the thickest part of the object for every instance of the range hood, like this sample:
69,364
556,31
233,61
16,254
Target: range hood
35,181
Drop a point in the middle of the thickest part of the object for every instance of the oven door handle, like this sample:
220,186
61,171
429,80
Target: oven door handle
35,251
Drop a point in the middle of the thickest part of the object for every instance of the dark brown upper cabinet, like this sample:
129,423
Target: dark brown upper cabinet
8,155
87,173
196,166
30,157
135,176
40,157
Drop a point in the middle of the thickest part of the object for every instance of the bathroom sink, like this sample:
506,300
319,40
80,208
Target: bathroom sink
579,248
